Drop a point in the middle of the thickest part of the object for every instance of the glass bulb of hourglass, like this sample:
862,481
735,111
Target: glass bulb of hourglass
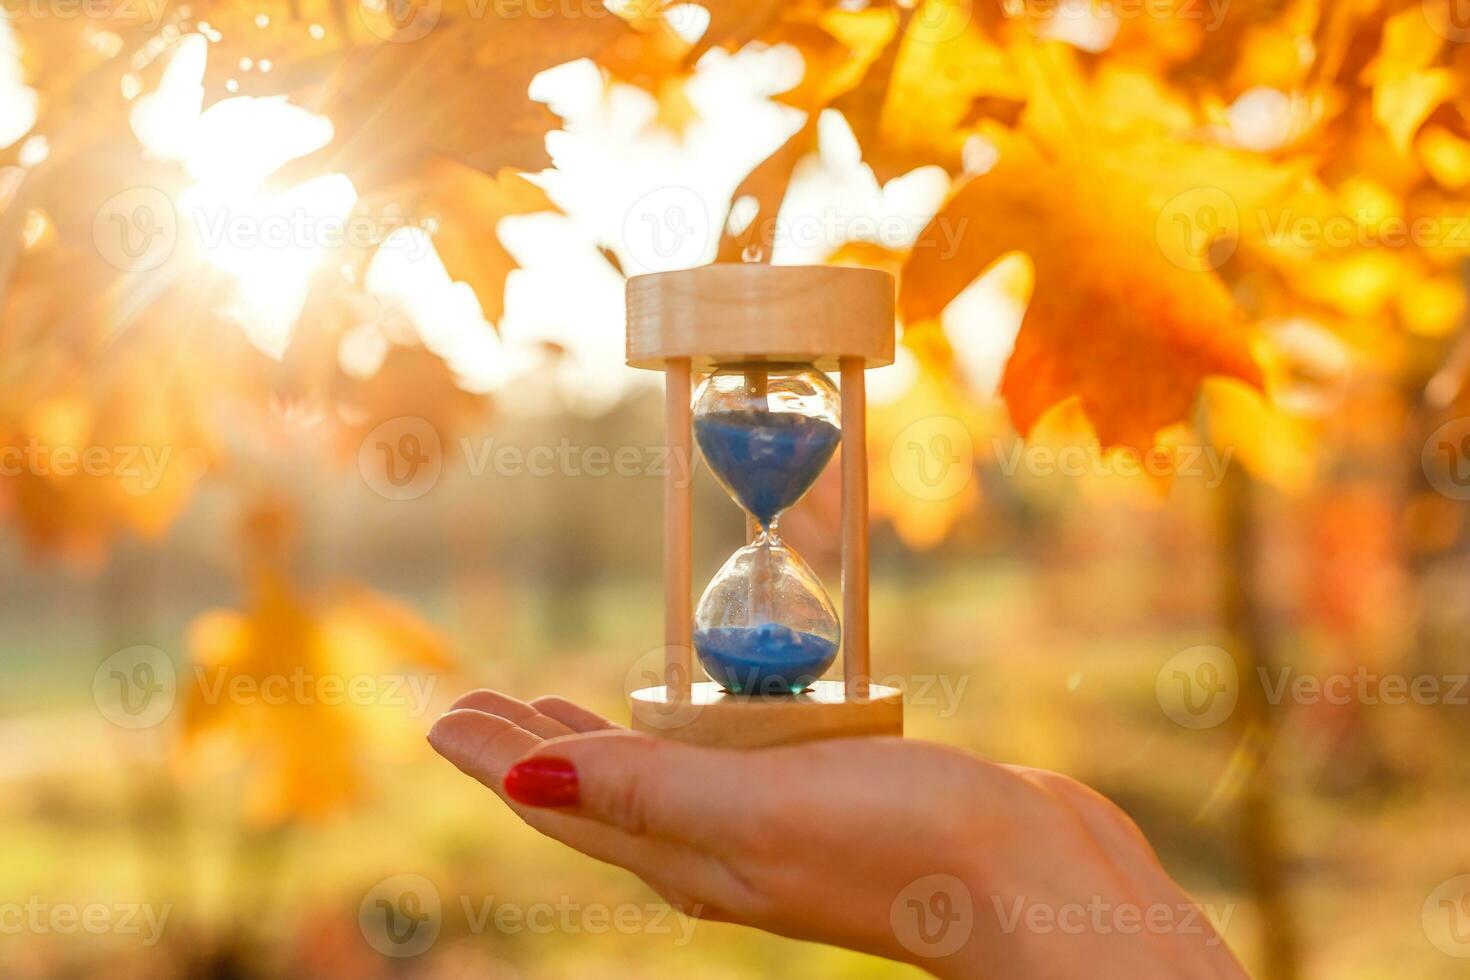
765,625
767,432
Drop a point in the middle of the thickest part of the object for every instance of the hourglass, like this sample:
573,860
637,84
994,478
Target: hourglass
766,419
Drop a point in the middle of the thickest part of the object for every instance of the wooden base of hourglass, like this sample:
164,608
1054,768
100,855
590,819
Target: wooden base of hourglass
713,717
692,320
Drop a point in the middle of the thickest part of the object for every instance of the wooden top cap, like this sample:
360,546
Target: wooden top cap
722,314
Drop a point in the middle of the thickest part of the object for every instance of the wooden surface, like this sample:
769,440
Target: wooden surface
678,523
709,716
855,665
726,314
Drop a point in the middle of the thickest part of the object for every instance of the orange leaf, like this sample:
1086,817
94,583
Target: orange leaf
470,205
1112,319
301,685
459,90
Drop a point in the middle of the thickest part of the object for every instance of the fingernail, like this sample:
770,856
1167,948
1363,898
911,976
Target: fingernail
435,735
542,781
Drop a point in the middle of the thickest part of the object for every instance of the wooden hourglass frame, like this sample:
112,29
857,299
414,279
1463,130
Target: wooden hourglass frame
691,321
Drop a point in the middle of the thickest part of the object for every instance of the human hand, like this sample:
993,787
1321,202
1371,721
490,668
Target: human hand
903,849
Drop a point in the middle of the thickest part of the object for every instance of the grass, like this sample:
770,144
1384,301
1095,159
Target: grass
1010,676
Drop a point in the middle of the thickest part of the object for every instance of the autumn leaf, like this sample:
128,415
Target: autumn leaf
935,76
1111,319
1273,445
304,685
94,447
840,48
1127,313
467,206
459,90
734,22
1406,85
765,186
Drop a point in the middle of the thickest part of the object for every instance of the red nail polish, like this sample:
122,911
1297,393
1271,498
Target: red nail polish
542,781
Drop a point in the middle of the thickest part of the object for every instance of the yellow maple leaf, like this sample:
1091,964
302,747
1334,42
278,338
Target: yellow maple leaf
1406,88
1446,156
455,87
468,206
302,686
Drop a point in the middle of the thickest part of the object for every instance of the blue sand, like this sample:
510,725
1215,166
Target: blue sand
767,459
765,659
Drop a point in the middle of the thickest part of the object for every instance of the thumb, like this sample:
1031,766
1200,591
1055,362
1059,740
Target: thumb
642,786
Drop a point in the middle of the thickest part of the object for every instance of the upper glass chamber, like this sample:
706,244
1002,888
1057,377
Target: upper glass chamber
767,431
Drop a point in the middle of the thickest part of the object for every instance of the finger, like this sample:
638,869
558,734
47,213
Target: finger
519,712
574,716
480,744
647,787
484,746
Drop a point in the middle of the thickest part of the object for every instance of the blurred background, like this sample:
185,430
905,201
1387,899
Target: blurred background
314,416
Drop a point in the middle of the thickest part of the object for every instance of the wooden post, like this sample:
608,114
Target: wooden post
855,667
678,524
